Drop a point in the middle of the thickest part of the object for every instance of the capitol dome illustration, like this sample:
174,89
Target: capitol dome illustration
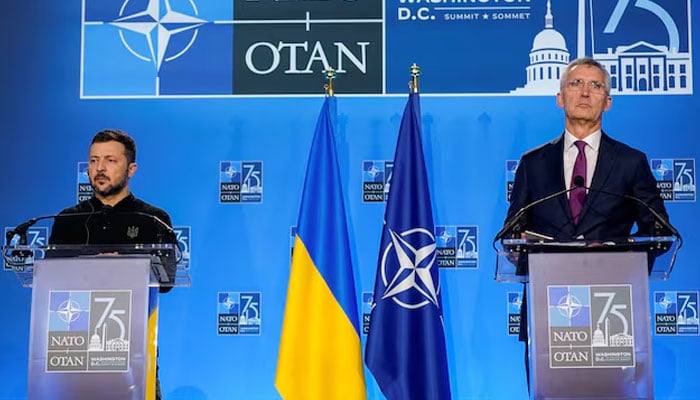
549,57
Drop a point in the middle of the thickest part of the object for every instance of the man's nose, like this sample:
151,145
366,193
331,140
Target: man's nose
585,90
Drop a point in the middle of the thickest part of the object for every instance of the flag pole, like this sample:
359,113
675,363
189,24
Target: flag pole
330,75
415,72
321,293
406,350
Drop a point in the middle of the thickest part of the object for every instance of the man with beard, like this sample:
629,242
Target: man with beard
113,216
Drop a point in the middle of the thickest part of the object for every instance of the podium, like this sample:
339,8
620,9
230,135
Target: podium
588,317
94,317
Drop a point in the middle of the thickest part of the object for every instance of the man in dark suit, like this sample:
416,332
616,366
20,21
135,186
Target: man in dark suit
611,169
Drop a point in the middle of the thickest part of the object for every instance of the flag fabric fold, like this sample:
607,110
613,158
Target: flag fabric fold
406,350
320,354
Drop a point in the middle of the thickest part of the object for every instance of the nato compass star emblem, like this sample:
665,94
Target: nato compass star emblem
517,302
569,306
229,171
373,171
445,237
407,269
69,311
158,25
665,303
228,303
663,169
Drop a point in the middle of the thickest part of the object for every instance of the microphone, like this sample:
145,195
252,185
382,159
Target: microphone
659,220
514,223
22,229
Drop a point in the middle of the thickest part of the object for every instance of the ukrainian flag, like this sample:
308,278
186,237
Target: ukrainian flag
320,355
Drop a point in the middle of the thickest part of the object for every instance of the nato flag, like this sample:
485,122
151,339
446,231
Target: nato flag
406,340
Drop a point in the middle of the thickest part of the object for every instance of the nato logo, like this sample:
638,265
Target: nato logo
240,181
514,303
37,236
675,178
239,313
69,311
89,331
457,246
367,302
445,240
183,234
228,312
153,48
230,182
84,187
590,326
376,180
676,313
511,167
569,318
409,273
68,331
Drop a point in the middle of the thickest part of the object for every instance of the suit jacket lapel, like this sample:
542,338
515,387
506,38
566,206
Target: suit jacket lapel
556,159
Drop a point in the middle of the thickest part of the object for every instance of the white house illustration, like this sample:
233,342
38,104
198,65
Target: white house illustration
643,67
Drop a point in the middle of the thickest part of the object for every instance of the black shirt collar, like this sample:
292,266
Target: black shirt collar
124,204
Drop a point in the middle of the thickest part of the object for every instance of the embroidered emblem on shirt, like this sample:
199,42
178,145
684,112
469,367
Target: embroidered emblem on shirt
132,231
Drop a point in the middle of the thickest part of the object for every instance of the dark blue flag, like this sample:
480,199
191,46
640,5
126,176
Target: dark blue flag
406,340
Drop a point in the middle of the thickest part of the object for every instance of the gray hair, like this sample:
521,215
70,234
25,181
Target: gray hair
585,61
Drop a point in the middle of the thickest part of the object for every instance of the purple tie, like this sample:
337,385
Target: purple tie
578,194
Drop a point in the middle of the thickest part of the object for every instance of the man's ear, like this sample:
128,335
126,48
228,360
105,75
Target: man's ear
131,170
608,103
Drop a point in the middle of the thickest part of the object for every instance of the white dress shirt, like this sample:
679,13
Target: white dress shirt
571,151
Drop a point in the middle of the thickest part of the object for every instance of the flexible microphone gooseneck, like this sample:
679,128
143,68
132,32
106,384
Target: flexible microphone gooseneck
514,223
168,229
659,219
22,229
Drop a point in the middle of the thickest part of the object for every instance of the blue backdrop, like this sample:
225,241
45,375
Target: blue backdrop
64,76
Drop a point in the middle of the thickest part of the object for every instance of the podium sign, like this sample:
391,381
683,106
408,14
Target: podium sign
89,337
589,326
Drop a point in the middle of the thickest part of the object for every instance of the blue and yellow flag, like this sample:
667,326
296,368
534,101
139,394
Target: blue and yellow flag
320,355
406,340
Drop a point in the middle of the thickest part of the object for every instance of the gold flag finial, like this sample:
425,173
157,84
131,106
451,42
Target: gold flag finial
330,75
415,71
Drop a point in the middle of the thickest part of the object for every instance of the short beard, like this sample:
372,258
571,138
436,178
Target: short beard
111,189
